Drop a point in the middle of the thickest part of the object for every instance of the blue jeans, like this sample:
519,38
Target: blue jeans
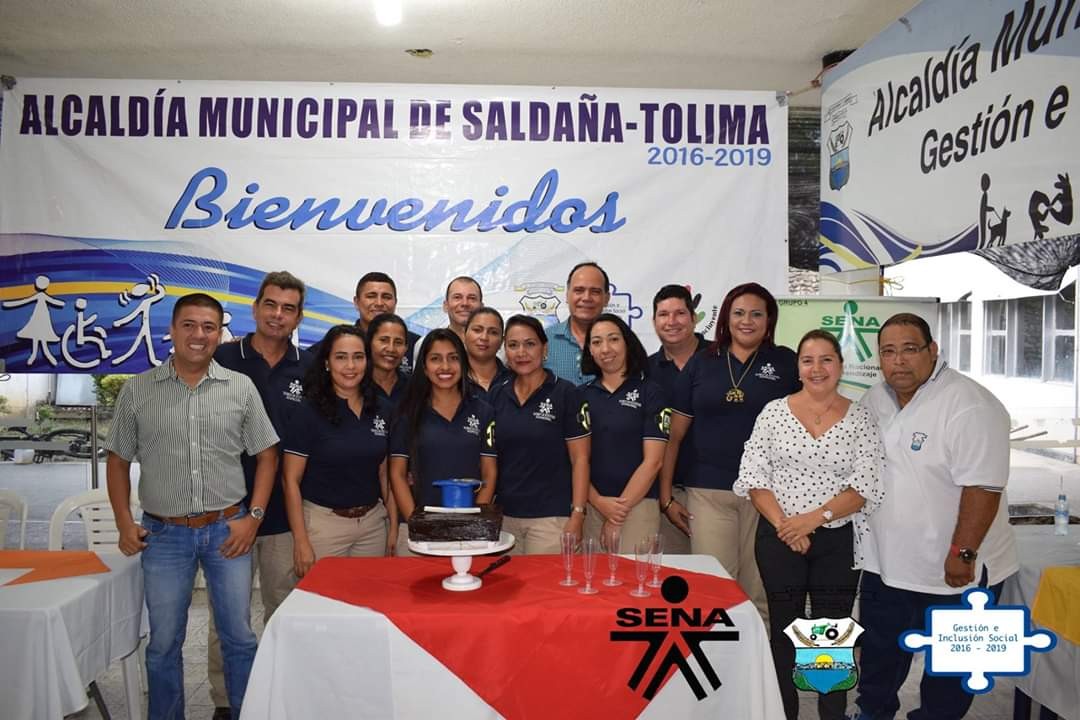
169,562
886,612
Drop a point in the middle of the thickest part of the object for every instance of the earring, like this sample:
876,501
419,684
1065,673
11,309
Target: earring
327,368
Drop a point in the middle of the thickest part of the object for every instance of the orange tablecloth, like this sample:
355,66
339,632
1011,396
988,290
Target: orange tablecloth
511,639
51,564
1057,602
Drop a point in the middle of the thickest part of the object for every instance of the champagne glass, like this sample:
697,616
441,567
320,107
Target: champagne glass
613,537
656,558
569,541
588,558
642,551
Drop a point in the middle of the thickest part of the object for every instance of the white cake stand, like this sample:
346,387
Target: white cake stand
461,554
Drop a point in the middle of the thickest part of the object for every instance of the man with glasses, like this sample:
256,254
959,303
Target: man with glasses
943,527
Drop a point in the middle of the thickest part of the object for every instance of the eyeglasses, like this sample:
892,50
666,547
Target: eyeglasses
905,351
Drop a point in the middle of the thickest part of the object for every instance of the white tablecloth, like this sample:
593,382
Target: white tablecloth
322,658
1054,680
57,636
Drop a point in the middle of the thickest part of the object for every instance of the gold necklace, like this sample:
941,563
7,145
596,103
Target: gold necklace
735,394
817,417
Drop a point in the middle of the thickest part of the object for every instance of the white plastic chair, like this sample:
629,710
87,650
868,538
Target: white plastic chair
12,502
97,515
101,536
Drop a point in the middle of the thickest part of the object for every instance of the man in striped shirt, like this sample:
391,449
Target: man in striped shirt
187,422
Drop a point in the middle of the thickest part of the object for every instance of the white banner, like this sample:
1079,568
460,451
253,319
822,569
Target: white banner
954,129
117,197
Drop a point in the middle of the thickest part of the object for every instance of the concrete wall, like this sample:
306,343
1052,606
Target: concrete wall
25,390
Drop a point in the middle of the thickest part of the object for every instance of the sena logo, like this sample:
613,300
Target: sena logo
660,628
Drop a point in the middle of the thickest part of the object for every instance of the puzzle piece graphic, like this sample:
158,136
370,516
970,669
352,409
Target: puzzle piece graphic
979,641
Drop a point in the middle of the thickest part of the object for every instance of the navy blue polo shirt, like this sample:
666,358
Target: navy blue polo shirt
720,427
447,448
620,422
396,393
342,460
666,372
535,477
502,374
411,339
281,389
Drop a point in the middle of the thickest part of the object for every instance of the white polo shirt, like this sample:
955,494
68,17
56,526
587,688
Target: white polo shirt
952,434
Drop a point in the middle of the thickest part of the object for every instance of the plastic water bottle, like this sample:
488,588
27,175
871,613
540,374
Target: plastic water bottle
1061,512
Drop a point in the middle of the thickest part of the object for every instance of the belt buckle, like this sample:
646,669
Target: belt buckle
193,517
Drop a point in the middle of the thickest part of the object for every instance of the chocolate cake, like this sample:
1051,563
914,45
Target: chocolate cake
428,526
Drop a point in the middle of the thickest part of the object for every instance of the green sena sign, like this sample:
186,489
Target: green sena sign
855,321
853,330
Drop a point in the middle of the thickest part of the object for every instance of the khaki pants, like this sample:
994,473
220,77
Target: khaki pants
676,542
273,560
724,526
335,536
535,536
643,521
401,548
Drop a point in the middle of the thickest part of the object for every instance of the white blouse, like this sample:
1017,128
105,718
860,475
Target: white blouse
804,473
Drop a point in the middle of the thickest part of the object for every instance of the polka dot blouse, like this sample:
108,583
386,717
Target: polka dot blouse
804,473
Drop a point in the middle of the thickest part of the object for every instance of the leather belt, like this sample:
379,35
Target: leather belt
353,512
200,520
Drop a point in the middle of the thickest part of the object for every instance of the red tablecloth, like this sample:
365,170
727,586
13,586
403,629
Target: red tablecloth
511,639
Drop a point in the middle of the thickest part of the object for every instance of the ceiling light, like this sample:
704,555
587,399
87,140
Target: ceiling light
388,12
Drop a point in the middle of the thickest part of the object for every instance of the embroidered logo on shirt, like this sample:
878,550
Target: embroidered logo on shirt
546,411
917,440
472,425
767,372
295,391
378,427
631,400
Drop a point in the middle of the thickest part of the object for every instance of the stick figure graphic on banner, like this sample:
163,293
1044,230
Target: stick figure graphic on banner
147,294
1060,207
82,322
990,232
39,328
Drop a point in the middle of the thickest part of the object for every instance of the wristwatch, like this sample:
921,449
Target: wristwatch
827,514
577,509
966,554
257,512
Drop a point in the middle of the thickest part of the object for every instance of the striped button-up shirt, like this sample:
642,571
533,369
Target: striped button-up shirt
189,441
